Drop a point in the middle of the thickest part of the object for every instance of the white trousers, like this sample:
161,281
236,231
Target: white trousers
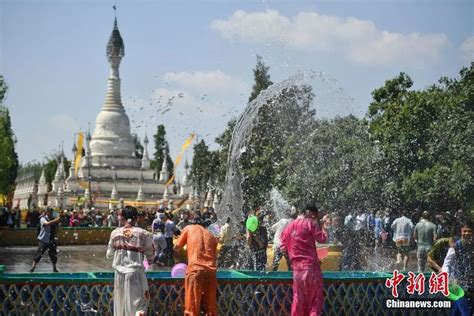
131,294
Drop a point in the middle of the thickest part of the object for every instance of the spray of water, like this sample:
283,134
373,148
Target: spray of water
328,94
278,205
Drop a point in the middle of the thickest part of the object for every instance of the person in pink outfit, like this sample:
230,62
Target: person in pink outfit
298,240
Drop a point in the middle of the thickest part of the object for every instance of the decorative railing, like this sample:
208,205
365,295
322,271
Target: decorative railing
239,293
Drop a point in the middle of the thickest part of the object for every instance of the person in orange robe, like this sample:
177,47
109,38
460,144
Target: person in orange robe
201,281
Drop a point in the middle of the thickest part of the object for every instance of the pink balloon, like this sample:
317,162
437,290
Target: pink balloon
322,252
146,264
179,270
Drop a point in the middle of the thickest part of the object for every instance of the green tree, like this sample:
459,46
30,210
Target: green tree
262,78
224,140
9,157
51,166
426,139
31,168
138,147
337,167
161,144
280,122
3,89
447,181
204,167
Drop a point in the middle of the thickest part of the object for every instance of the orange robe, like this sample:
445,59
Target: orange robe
201,281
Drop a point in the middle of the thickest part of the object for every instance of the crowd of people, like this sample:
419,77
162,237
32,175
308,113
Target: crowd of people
164,225
404,233
441,241
130,245
10,217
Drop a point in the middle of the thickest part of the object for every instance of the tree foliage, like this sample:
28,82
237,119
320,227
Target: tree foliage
204,166
426,138
338,167
8,157
138,147
223,140
261,77
51,166
413,149
30,169
161,144
280,122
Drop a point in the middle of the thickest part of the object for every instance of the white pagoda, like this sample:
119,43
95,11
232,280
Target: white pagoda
110,170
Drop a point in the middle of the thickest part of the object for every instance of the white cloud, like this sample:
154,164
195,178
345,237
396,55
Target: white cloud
215,82
64,122
359,40
467,49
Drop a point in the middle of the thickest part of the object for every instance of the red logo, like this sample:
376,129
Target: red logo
416,283
394,281
439,283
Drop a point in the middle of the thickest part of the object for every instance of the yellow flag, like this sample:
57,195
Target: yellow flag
77,159
186,144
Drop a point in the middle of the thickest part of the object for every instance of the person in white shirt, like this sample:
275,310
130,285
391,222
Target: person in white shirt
361,225
278,228
459,264
402,228
128,246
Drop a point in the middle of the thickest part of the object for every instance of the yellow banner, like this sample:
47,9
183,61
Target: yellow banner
77,159
186,144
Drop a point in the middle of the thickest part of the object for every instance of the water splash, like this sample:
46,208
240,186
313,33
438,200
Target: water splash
278,205
328,94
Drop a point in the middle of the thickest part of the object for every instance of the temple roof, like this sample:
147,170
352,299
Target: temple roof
115,46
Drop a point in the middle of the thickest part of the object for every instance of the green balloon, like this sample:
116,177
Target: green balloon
252,223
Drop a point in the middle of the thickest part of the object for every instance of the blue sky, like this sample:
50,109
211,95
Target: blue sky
52,54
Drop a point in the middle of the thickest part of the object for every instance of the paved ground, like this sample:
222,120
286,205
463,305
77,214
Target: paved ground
70,259
91,258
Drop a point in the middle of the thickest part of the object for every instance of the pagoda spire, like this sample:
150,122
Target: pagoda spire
42,185
145,158
186,173
141,194
112,137
166,193
59,175
115,52
164,175
114,193
88,143
58,181
72,175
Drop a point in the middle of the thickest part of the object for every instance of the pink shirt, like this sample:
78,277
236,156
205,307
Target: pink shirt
299,241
